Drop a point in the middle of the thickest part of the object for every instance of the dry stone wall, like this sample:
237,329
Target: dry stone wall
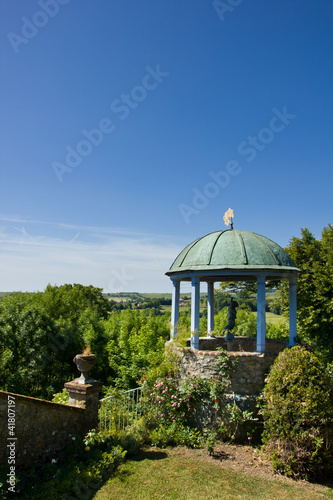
40,428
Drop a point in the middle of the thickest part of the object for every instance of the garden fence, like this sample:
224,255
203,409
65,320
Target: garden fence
121,411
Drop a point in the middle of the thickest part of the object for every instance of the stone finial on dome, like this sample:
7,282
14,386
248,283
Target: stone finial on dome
228,216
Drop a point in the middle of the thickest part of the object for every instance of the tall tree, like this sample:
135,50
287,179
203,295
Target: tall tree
314,289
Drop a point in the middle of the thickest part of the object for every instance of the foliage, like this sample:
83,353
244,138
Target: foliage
278,331
42,332
136,344
175,435
298,415
61,397
80,471
245,325
243,289
167,368
196,403
227,365
314,290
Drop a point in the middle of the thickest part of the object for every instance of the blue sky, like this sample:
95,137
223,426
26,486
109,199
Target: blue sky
129,128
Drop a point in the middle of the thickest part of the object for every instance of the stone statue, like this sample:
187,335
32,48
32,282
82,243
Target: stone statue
231,319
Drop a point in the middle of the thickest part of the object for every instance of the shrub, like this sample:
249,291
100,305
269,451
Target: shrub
278,331
78,472
175,435
61,397
202,405
298,415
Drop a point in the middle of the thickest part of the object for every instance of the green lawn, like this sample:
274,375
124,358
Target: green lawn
162,474
273,318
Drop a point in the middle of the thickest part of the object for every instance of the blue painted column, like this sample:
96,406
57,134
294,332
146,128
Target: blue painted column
210,307
195,304
175,308
261,314
292,310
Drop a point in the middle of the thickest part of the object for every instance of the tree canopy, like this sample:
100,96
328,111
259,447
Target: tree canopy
42,332
314,289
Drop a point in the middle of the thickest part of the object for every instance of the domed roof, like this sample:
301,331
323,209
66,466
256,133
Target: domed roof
233,250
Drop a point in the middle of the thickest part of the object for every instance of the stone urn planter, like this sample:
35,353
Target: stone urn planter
85,363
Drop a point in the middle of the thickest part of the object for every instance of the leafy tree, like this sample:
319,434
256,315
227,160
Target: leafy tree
33,357
314,289
70,300
136,344
243,289
42,332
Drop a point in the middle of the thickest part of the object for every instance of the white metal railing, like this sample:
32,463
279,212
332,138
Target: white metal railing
120,411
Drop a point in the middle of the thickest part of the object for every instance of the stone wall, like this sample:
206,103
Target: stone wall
252,367
243,344
41,428
246,382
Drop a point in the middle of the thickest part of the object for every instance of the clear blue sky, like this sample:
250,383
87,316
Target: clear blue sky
128,129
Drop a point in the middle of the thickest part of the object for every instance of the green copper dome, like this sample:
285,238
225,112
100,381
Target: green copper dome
233,250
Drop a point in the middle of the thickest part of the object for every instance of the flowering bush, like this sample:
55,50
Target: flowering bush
194,403
167,403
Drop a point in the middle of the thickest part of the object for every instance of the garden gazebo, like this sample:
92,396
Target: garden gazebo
231,255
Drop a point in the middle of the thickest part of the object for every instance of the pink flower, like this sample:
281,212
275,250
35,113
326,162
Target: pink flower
162,414
173,418
189,395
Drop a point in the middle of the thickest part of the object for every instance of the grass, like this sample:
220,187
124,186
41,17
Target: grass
165,475
273,318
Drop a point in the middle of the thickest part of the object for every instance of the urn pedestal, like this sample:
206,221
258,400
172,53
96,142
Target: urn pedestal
84,391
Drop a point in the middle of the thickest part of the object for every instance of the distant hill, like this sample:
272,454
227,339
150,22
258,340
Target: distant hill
141,297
